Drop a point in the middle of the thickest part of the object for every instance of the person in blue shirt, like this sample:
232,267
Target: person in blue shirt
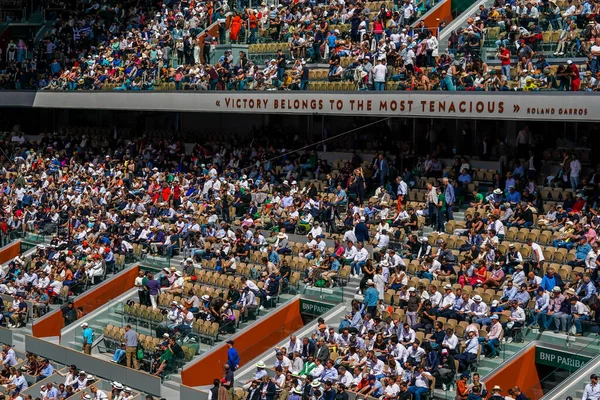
45,371
88,338
464,178
513,196
334,267
583,248
341,198
587,290
371,298
495,309
375,387
233,358
551,279
522,296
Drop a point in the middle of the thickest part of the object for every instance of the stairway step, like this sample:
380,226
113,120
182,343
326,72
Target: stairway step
171,385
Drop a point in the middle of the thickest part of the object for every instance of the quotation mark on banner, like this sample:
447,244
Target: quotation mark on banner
218,103
516,108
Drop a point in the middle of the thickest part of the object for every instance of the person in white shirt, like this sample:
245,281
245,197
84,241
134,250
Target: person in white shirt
592,389
450,341
360,255
383,241
379,73
344,376
579,313
282,361
575,171
316,230
448,298
406,335
516,320
435,297
470,353
391,388
317,371
479,309
415,353
374,364
591,260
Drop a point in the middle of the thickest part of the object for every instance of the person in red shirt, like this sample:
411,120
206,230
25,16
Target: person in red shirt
253,22
575,78
166,193
176,196
504,57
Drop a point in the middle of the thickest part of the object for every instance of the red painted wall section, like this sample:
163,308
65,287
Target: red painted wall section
10,251
441,13
52,324
255,341
520,372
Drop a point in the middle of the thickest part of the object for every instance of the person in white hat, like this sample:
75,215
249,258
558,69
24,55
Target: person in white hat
176,287
447,299
491,341
88,338
127,393
261,370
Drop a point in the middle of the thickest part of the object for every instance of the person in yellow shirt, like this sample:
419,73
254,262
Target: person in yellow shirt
530,85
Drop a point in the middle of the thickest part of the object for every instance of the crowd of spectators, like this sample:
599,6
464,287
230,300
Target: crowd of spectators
522,31
449,297
18,375
155,45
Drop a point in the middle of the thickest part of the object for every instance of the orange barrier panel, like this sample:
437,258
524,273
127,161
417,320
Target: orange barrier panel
255,341
51,324
10,251
443,12
520,372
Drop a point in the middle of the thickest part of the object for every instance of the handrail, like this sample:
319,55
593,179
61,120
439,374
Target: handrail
429,12
560,391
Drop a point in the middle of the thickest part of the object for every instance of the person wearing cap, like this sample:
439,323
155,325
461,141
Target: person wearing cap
491,341
592,389
176,287
371,298
513,258
233,358
516,320
88,338
578,314
127,394
581,255
165,358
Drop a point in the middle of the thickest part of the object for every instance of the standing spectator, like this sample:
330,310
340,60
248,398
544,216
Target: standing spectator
131,344
450,198
233,358
503,55
575,171
379,72
371,298
88,338
153,290
523,142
